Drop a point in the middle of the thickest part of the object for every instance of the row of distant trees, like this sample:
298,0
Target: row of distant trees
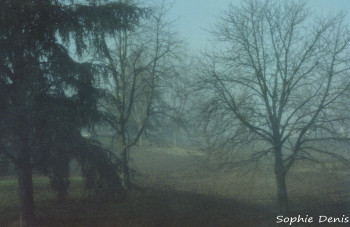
277,75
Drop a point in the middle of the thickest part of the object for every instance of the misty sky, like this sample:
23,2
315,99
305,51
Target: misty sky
194,16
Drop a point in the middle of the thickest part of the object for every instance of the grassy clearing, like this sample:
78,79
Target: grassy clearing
145,207
44,197
182,190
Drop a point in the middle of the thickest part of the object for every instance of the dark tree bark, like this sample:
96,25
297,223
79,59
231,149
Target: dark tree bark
125,175
25,188
282,194
280,175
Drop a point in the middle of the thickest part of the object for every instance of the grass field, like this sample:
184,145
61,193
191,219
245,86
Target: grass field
178,188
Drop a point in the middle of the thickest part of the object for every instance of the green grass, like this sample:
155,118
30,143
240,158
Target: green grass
44,197
146,207
42,190
176,190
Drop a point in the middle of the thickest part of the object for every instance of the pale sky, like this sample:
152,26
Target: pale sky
194,16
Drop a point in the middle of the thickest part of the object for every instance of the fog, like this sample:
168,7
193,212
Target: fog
183,113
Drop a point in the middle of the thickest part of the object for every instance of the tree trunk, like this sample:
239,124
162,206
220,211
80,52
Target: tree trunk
280,174
25,189
282,194
125,175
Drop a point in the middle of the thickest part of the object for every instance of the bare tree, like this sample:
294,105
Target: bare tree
135,63
278,79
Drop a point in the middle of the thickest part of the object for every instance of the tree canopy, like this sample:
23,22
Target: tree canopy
47,92
278,79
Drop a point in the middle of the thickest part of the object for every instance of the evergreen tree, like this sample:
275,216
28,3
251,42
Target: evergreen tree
46,95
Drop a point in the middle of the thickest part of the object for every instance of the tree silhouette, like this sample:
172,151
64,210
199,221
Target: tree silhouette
46,95
277,82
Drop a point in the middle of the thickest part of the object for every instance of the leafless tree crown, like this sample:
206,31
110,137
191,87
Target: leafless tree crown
280,76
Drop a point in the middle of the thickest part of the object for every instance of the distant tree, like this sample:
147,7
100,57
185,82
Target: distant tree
135,62
175,104
46,96
279,79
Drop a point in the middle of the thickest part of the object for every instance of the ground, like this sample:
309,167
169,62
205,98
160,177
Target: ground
177,187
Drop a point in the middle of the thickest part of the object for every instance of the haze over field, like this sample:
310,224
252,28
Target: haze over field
174,113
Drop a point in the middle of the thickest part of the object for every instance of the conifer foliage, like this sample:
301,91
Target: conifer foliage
47,96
